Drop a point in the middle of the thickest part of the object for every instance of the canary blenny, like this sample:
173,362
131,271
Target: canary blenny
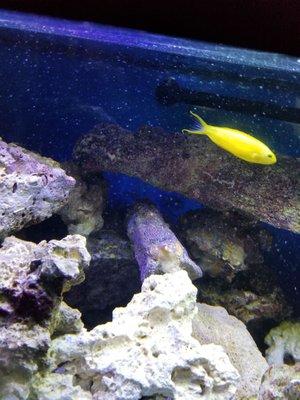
238,143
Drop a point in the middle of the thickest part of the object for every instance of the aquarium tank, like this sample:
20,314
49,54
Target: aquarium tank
149,216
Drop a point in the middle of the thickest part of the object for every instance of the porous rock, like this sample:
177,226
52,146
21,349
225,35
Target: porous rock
281,382
57,386
214,325
67,320
110,281
157,249
34,276
32,188
32,280
284,343
148,350
224,244
23,349
83,212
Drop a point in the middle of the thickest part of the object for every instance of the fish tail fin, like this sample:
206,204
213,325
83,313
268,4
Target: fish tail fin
201,121
200,129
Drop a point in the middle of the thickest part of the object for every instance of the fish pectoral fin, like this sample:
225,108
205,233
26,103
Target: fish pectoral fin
255,156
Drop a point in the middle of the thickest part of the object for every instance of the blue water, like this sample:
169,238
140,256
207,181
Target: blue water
58,80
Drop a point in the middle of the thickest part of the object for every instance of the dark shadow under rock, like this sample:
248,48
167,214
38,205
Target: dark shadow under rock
111,280
51,228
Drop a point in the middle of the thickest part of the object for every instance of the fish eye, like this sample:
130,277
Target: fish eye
270,155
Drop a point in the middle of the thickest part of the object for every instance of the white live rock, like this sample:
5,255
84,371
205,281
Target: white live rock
148,350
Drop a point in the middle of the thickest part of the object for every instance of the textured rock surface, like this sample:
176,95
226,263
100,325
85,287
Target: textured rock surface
246,305
223,243
197,168
281,383
66,320
157,249
110,281
215,325
284,343
34,276
252,298
148,349
32,188
23,348
32,279
57,386
83,212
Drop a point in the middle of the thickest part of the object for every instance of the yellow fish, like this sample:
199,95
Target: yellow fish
238,143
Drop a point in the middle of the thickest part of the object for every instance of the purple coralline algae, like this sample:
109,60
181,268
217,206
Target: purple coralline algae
157,249
32,188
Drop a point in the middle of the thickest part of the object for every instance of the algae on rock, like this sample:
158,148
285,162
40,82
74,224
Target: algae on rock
246,305
224,244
